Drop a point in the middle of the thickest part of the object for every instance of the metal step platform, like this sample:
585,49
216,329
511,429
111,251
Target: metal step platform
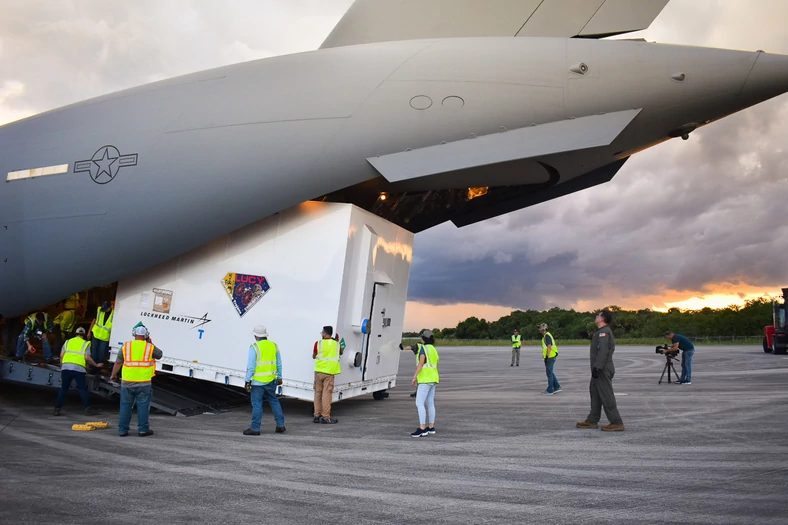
172,394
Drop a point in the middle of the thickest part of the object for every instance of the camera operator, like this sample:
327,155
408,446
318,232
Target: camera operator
688,350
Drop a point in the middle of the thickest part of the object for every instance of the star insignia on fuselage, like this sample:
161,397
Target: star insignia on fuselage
105,164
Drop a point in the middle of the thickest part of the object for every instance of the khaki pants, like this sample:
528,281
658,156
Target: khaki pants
602,396
324,388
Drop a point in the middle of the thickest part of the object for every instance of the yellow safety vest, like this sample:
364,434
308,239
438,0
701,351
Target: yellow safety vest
328,357
516,341
553,350
265,367
429,372
103,326
67,319
75,350
32,322
72,302
139,366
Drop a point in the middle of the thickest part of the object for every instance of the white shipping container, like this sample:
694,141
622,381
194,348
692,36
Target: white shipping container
313,265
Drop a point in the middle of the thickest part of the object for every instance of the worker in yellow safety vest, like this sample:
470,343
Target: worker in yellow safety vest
426,379
137,363
516,343
263,375
74,358
549,353
37,325
100,330
326,354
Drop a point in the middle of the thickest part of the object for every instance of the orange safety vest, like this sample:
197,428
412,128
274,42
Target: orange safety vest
139,366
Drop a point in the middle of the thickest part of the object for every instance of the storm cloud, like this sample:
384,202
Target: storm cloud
683,217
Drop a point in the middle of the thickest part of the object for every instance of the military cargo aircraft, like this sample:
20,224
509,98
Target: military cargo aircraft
420,111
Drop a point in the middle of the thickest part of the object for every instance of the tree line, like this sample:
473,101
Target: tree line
734,320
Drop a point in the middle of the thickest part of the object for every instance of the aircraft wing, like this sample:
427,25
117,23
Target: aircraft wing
370,21
465,163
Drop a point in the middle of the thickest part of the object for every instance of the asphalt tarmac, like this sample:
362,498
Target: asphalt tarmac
714,452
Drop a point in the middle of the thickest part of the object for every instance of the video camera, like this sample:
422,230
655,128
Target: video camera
662,349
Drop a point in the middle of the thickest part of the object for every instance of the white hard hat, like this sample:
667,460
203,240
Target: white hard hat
260,331
141,331
80,330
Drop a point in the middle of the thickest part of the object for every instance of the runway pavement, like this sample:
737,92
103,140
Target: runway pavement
714,452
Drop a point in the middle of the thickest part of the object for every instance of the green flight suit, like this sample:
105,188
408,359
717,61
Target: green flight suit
603,344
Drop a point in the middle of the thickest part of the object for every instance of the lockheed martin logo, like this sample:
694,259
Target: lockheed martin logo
105,164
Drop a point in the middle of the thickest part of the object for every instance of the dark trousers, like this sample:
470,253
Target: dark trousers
98,351
602,396
67,376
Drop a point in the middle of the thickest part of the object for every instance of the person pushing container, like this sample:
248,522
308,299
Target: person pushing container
326,354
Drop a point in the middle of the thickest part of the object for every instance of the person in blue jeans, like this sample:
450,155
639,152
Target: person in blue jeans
137,359
688,350
263,375
37,325
549,353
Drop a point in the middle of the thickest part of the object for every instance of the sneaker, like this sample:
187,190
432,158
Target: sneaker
328,421
56,412
586,424
419,432
431,430
687,383
613,428
124,434
250,432
547,393
518,364
146,434
280,430
559,389
316,419
511,365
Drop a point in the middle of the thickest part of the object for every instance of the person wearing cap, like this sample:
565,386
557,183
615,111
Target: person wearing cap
326,353
37,325
549,353
100,329
263,375
516,343
137,359
74,358
426,378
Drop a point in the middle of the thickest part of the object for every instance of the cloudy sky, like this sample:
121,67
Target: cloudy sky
692,223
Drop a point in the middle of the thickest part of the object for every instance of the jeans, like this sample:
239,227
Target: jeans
98,350
128,395
552,381
686,366
66,377
425,394
267,392
21,347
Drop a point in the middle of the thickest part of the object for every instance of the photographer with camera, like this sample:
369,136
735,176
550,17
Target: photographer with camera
688,350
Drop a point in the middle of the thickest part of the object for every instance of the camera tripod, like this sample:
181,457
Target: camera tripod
668,367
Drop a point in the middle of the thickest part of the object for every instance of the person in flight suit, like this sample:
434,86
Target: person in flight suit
603,344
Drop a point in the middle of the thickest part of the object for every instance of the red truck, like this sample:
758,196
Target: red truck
775,336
